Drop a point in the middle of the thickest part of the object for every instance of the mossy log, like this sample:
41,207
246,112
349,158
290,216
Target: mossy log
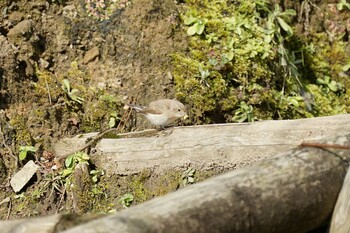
293,192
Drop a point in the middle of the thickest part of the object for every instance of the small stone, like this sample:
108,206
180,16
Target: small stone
16,16
29,68
21,178
43,63
22,28
91,55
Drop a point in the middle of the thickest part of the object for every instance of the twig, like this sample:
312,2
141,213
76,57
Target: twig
100,135
61,199
9,210
48,90
324,145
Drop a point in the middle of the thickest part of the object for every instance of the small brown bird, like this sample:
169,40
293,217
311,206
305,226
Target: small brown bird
162,112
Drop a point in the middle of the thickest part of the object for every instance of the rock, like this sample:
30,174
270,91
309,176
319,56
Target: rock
22,28
91,55
21,178
70,11
16,16
43,63
29,67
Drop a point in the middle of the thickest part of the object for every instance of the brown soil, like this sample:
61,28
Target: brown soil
128,55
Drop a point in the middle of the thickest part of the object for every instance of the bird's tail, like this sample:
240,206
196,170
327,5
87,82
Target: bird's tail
137,108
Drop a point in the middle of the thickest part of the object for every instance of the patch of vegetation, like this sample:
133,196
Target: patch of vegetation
61,105
24,150
126,200
188,176
246,63
89,108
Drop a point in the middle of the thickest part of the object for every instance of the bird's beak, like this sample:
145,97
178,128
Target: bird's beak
185,117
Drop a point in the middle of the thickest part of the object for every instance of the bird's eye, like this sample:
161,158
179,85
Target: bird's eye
179,110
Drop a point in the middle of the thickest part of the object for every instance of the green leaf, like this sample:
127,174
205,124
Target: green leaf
230,42
320,81
112,122
192,30
94,172
340,6
346,67
190,20
66,85
285,26
333,86
22,155
66,172
327,79
27,148
69,161
213,61
126,200
199,28
229,55
85,156
268,39
73,91
31,149
294,102
289,12
230,24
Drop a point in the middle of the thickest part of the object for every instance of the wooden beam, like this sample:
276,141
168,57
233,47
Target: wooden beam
341,215
208,147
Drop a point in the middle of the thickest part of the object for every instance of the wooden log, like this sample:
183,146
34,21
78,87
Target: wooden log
45,224
341,215
33,225
293,192
207,147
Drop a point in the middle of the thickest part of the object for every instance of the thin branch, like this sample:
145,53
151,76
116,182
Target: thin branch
9,210
48,90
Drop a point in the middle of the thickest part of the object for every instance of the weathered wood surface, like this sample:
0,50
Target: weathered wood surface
34,225
341,215
46,224
293,192
212,146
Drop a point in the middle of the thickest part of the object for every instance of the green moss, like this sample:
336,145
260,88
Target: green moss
22,132
137,185
245,54
168,182
92,114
